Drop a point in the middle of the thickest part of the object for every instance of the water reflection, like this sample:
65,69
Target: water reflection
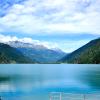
35,81
91,77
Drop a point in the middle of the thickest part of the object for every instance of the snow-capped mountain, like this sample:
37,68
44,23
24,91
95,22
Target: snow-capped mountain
19,44
37,51
22,44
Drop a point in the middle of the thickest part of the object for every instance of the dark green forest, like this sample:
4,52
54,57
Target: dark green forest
88,54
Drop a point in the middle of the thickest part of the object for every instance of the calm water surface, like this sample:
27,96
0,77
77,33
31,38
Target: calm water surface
35,82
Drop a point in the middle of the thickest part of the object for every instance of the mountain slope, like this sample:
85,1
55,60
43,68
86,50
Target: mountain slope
12,55
38,52
88,54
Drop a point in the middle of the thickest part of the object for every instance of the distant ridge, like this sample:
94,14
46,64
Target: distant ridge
38,52
87,54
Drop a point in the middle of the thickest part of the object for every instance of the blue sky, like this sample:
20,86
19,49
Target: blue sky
67,24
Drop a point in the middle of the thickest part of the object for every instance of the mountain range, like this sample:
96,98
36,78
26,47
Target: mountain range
87,54
22,52
33,53
38,52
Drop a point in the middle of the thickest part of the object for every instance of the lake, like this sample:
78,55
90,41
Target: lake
36,82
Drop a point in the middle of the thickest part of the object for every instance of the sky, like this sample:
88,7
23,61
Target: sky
65,24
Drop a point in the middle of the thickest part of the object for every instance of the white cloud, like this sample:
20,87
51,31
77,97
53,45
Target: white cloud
67,46
52,16
7,38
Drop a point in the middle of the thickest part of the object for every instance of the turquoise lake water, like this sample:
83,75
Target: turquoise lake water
36,82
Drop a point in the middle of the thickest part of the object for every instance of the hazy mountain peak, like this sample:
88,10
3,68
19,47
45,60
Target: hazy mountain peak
26,42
